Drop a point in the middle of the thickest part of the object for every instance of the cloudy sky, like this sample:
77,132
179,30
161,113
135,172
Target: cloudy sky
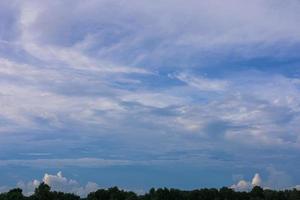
142,94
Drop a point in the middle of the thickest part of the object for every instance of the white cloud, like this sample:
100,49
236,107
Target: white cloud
29,187
277,180
56,77
171,25
256,181
58,182
60,163
297,187
204,84
244,185
153,99
41,90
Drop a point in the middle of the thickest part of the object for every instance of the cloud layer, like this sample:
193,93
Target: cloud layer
108,83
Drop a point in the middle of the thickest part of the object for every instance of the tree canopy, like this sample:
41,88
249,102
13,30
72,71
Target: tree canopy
43,192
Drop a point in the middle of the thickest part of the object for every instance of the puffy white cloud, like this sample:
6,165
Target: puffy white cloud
29,187
244,185
277,180
256,181
58,182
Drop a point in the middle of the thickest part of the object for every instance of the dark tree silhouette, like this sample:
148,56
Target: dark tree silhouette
15,194
43,192
257,193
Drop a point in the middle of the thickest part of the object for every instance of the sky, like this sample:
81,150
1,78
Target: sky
141,94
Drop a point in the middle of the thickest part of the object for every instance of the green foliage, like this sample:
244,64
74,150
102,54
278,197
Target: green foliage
43,192
112,194
257,193
15,194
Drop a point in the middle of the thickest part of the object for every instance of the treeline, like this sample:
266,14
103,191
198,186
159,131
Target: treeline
43,192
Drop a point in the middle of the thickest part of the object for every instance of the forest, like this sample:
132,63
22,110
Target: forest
43,192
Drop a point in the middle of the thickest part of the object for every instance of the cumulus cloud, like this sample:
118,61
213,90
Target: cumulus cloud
29,187
244,185
256,180
276,180
58,182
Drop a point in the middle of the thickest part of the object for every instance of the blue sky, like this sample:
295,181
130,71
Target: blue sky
145,94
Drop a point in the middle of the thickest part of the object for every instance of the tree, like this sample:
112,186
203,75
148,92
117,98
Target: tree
257,193
294,195
43,192
15,194
226,193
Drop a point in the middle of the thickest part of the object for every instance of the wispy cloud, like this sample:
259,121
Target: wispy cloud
204,84
201,81
58,163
